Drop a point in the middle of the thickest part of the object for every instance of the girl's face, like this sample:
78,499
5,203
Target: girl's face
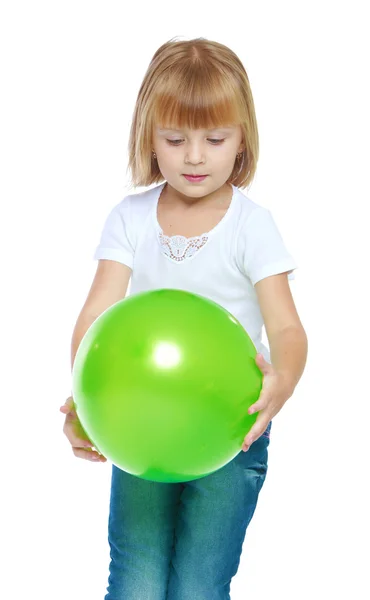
197,152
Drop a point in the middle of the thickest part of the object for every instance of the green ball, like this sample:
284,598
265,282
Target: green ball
162,382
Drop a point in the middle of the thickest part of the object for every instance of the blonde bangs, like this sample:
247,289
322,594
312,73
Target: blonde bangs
198,101
195,84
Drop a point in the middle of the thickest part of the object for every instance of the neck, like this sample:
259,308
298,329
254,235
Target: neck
172,196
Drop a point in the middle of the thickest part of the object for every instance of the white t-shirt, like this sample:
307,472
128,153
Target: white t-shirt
223,264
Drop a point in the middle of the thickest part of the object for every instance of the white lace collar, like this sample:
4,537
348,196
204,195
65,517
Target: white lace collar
178,247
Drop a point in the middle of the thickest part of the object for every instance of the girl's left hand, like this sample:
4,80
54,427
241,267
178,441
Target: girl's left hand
274,394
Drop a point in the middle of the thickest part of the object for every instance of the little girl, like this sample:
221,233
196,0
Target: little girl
194,133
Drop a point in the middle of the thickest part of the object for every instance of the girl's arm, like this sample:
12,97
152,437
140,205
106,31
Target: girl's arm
108,287
286,335
288,350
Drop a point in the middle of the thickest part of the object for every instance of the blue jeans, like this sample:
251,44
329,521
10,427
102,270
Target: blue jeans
182,541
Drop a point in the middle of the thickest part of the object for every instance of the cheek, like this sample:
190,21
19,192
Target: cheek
164,160
168,159
225,161
169,155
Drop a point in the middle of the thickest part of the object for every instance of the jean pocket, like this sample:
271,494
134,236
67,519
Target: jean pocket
266,433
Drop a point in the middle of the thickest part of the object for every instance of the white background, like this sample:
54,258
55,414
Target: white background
70,74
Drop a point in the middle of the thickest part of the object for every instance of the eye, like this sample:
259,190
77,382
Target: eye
213,141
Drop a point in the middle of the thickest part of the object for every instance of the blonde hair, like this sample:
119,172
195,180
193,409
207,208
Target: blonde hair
196,84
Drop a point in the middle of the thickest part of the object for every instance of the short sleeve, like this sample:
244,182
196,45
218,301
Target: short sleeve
263,252
116,240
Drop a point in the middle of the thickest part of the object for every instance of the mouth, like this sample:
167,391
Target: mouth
194,177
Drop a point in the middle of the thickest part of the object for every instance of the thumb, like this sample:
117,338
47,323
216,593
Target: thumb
262,363
68,406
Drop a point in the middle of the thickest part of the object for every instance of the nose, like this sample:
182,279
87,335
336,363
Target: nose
194,154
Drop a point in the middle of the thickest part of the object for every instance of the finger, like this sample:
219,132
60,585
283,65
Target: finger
71,416
88,455
261,403
68,411
75,436
68,406
253,434
76,441
81,443
249,438
262,364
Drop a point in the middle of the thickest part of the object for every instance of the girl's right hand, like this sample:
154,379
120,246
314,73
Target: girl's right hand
81,445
